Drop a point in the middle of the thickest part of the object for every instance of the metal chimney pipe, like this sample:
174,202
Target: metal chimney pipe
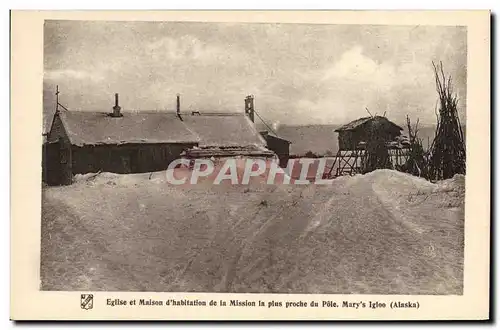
116,108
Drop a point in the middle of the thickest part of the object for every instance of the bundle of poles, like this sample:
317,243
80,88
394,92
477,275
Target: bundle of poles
444,158
416,163
446,155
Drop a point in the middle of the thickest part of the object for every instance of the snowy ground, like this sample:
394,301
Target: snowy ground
380,233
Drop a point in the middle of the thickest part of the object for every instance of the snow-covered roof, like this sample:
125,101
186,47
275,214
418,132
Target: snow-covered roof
361,121
211,129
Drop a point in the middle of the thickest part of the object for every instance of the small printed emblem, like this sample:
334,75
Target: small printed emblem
87,301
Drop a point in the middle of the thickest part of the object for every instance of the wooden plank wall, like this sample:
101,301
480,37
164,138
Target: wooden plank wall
126,158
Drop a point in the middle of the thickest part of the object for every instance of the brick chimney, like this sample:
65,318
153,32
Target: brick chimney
116,109
249,109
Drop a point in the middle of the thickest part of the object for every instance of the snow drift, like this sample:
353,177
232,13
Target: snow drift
383,232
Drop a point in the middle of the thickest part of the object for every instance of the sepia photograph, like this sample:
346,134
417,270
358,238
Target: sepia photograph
253,157
250,165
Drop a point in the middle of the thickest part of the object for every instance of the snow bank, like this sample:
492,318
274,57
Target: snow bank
385,232
107,178
392,177
456,184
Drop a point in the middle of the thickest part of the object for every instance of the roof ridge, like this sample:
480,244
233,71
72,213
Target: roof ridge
91,127
360,121
122,110
170,112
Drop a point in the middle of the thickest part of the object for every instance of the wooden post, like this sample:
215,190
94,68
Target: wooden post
57,98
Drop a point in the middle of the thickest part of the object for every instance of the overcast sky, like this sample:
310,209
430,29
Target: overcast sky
299,74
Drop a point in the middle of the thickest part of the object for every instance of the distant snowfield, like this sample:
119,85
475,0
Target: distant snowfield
322,139
385,232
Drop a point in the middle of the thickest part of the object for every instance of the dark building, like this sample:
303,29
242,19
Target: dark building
366,144
85,142
142,141
280,146
358,132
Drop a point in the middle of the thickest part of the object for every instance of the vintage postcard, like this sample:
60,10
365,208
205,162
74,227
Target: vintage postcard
250,165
